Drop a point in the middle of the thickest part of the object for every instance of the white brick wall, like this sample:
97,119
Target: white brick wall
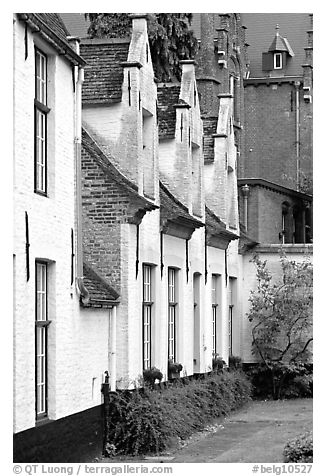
78,350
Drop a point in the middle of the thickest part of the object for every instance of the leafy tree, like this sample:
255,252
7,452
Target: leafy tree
281,318
169,38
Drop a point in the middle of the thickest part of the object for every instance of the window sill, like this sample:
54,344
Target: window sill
39,192
42,421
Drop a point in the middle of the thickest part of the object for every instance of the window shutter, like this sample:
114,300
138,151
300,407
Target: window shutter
267,61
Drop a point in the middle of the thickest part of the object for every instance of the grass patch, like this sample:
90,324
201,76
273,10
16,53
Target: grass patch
150,420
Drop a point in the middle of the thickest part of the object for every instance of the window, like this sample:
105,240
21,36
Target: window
172,296
232,283
230,329
196,294
147,315
40,122
277,60
214,313
41,328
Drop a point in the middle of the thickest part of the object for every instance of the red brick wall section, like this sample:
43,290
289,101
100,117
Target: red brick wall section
105,206
270,139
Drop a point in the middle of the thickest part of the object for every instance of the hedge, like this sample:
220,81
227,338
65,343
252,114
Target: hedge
299,450
148,420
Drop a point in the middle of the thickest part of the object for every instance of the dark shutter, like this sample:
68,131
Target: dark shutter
267,61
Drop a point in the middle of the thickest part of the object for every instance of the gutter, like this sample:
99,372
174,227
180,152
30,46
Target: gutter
37,25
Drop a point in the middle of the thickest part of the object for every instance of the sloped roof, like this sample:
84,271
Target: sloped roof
76,23
260,31
108,167
246,243
216,226
174,211
100,292
54,21
103,72
51,27
280,44
167,98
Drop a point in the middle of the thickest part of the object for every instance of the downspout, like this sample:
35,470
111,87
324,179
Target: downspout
245,192
113,367
80,287
297,131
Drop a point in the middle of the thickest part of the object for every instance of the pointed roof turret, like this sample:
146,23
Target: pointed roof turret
280,44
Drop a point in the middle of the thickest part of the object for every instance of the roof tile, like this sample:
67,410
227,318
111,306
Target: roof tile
103,72
175,211
167,98
209,128
99,290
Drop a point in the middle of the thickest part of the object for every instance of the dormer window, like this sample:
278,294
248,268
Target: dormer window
278,55
277,60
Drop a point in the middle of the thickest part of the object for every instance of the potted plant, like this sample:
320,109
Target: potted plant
174,369
151,375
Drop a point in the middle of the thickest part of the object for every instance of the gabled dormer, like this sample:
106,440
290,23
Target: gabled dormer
119,103
180,136
278,55
221,165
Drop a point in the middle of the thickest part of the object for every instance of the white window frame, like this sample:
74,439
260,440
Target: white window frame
40,123
41,338
172,313
276,56
214,314
147,315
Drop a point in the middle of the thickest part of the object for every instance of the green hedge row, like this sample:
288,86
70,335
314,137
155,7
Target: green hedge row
151,421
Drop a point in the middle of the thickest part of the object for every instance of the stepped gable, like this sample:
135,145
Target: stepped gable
100,292
168,97
103,72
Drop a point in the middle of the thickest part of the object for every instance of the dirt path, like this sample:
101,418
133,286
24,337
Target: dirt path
255,434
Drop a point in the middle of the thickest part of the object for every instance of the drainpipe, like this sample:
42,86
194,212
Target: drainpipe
113,376
297,131
81,289
245,192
